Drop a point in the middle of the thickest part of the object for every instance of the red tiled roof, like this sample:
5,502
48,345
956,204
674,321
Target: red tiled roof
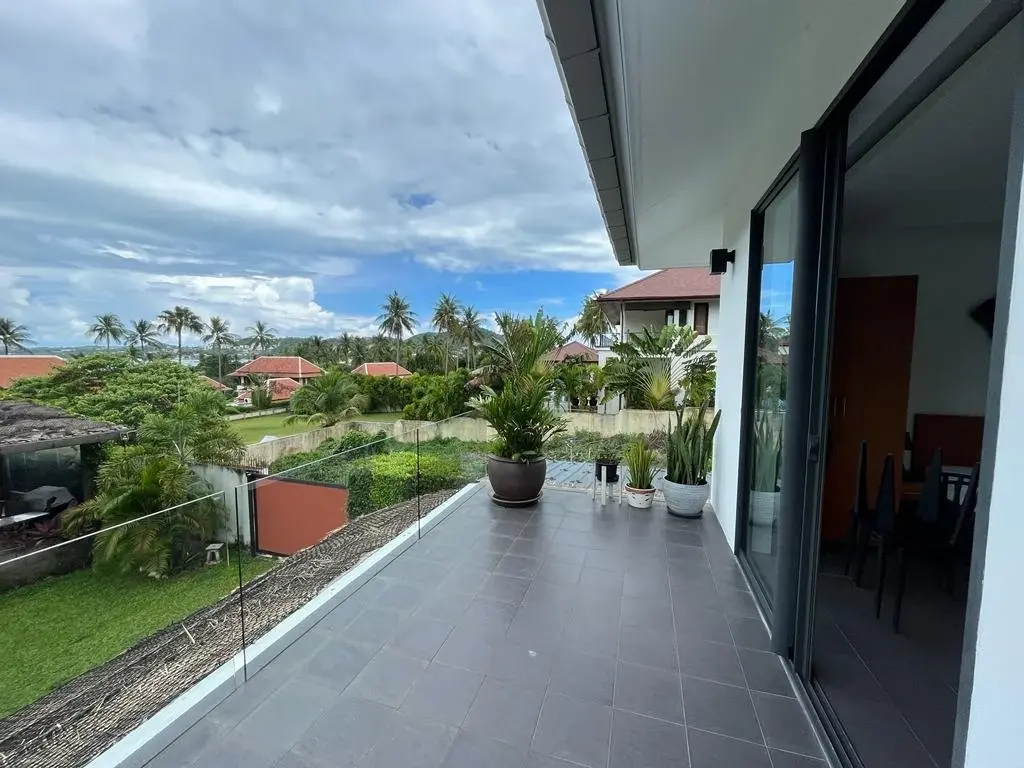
13,367
573,349
215,384
282,389
281,367
382,369
678,283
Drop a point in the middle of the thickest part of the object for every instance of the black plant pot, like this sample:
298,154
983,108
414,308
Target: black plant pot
613,469
516,483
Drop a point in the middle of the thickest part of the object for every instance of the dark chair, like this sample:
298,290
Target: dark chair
860,517
917,530
885,529
961,533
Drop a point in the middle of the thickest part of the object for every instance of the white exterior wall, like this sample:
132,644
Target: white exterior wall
637,319
729,332
993,728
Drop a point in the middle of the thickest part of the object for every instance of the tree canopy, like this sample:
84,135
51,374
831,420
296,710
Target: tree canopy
111,387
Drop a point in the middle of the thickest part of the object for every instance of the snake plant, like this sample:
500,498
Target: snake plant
639,458
689,447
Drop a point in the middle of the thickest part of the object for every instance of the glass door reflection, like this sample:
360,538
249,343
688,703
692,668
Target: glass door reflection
766,442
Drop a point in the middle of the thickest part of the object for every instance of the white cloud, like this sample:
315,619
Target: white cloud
298,143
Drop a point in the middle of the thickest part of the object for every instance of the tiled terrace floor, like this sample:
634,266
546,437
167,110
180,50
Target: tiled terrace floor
566,635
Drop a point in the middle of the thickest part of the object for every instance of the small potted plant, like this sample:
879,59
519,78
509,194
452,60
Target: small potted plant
764,485
610,462
689,460
640,488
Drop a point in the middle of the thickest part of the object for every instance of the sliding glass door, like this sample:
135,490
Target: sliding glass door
774,307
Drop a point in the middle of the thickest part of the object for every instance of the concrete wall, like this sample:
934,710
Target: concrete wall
625,421
255,414
730,335
226,480
957,268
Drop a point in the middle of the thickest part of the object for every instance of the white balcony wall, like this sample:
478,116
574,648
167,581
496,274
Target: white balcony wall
728,331
998,677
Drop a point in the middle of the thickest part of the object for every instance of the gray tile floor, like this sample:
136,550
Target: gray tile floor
896,693
567,635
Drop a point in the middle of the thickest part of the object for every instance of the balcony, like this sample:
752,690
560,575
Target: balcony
569,635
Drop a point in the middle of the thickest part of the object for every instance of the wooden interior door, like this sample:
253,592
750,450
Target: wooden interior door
872,349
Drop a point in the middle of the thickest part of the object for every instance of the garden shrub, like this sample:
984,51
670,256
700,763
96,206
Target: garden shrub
354,444
387,479
383,393
438,397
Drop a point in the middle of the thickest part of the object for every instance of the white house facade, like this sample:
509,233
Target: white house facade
853,172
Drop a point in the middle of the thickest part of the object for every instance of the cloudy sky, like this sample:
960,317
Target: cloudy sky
289,162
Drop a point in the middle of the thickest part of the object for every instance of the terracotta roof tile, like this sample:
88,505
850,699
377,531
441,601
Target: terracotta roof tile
214,384
272,365
678,283
13,367
382,369
573,349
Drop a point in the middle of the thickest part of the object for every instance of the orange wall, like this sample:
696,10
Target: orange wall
292,515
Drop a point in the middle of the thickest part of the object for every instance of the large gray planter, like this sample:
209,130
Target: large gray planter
516,483
685,500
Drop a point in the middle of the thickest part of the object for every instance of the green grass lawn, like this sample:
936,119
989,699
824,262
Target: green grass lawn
59,628
254,430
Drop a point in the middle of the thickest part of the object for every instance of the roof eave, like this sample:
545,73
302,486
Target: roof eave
582,36
60,442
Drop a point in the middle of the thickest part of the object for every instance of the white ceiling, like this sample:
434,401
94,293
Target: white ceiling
945,163
716,95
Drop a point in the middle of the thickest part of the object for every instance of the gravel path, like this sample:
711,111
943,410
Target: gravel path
71,725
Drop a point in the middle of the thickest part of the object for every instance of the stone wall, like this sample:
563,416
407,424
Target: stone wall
468,429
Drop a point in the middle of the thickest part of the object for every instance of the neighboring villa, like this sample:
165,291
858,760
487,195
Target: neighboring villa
214,384
681,296
574,349
14,367
281,391
391,370
277,367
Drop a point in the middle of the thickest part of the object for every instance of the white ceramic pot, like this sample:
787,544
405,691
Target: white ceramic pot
685,500
639,498
764,507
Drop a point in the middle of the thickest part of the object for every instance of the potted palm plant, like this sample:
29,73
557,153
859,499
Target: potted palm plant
640,488
689,460
517,405
764,485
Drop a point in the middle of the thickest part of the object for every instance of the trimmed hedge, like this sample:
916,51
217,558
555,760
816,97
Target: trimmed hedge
387,479
354,444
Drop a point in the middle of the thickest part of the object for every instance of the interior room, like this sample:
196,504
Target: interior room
911,339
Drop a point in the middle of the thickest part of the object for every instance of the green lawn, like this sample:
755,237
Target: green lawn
254,430
59,628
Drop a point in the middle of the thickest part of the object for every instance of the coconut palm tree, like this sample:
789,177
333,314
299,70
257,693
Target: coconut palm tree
360,351
13,335
446,321
261,337
592,322
396,319
177,321
107,328
141,333
345,348
379,348
218,333
471,332
328,399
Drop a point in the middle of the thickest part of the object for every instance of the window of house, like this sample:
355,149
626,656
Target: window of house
700,318
670,317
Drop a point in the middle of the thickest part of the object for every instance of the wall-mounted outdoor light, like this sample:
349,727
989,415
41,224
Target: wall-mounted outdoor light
720,260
